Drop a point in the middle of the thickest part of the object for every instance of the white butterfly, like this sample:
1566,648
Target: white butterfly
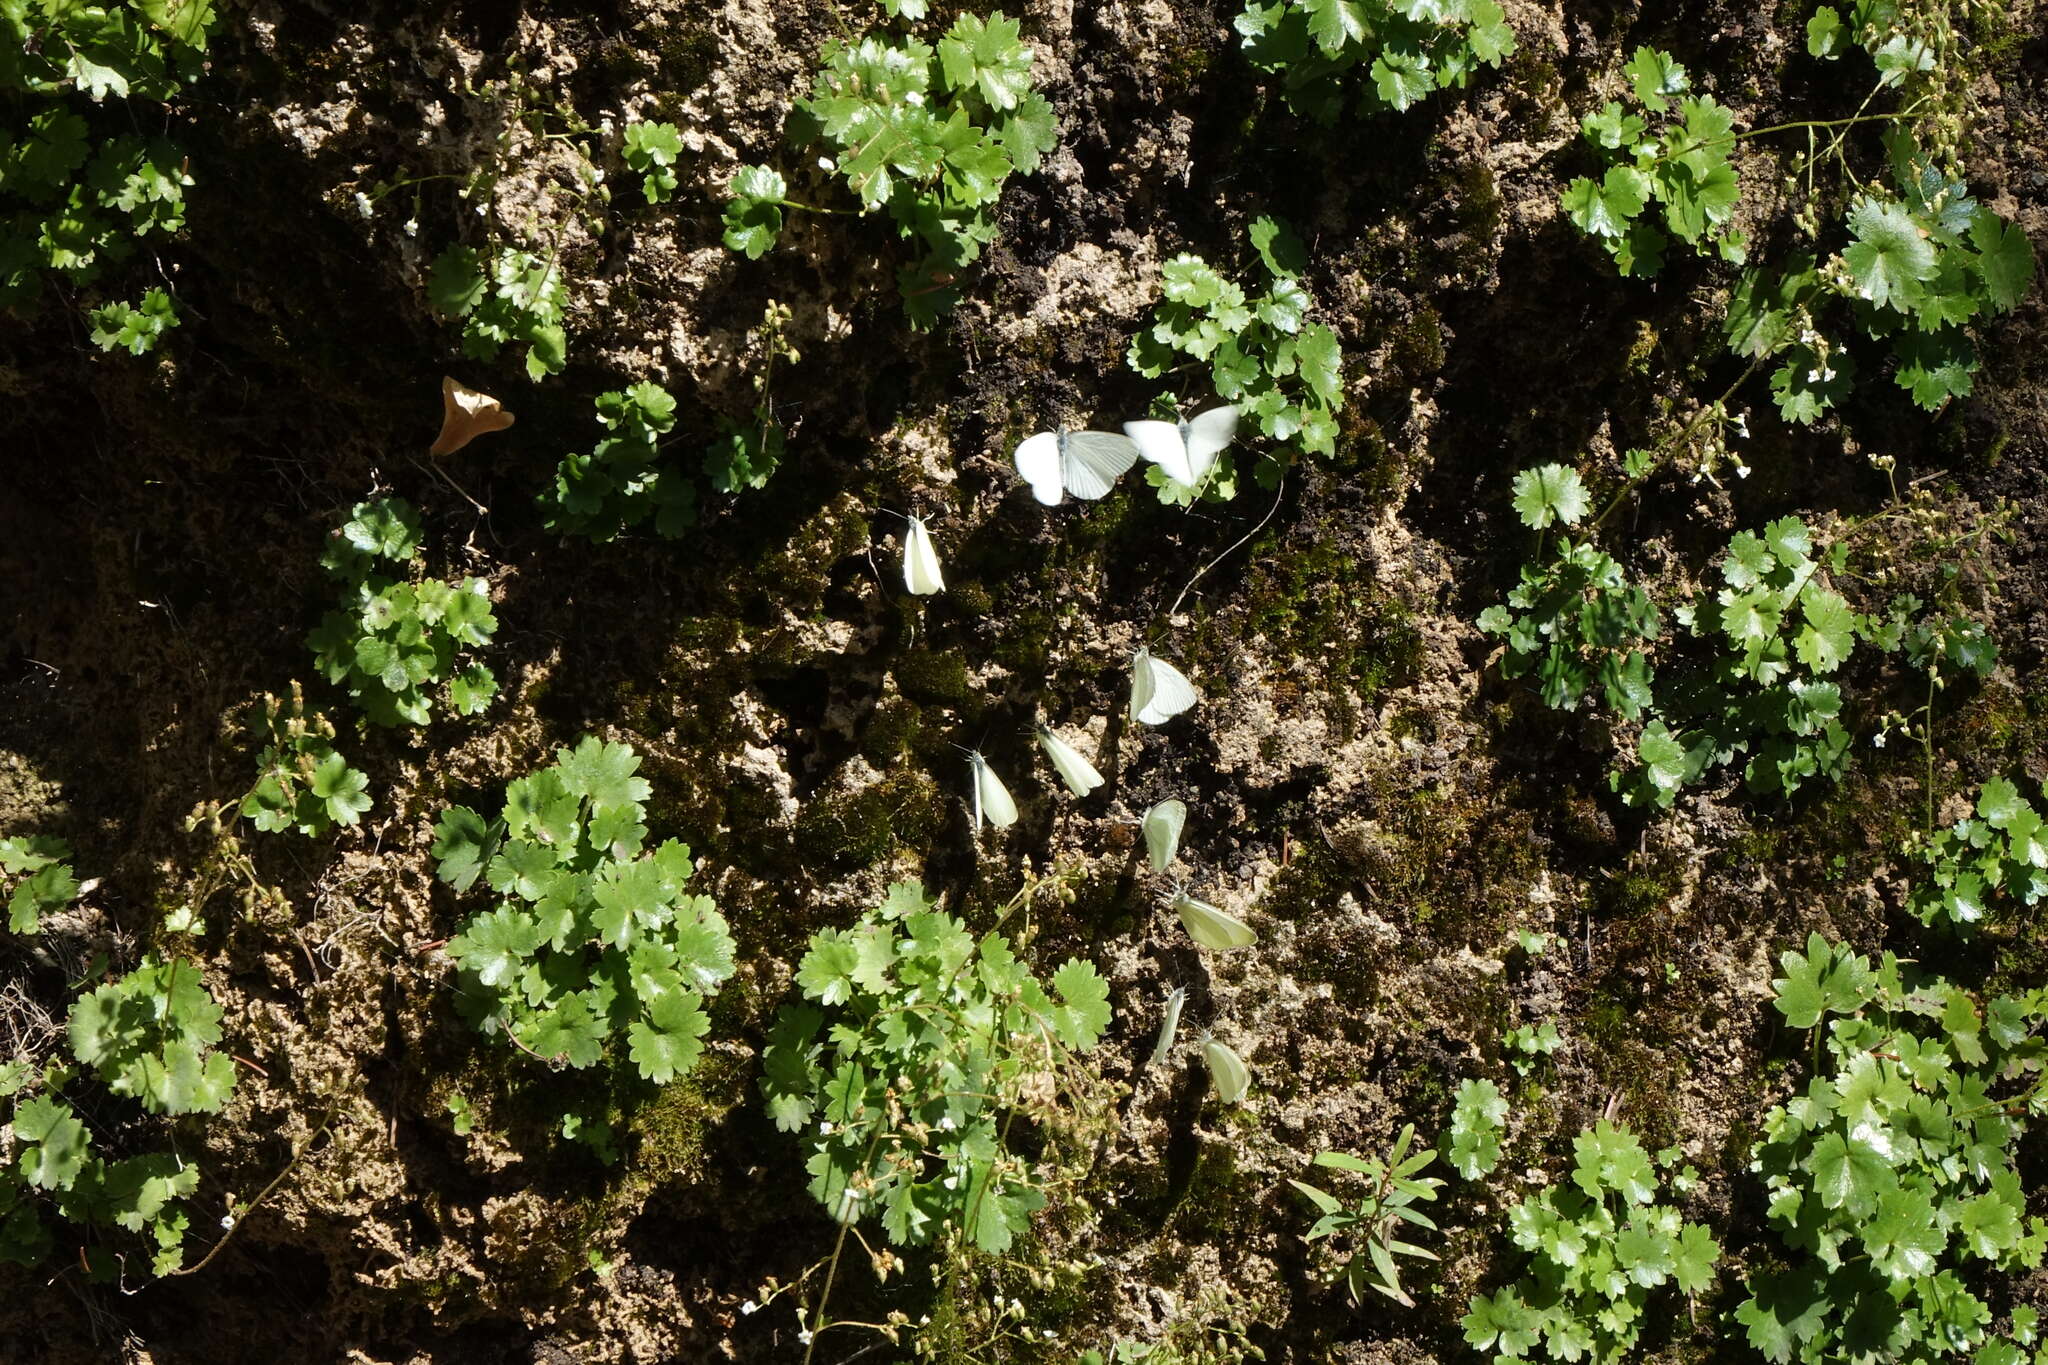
1186,449
921,572
1084,463
1162,826
1169,1025
1077,772
992,801
1159,691
1226,1070
1210,927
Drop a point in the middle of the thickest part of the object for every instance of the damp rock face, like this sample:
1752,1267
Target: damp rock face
1438,866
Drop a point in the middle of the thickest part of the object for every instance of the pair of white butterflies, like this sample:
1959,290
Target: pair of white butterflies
992,801
1212,928
1088,463
1227,1071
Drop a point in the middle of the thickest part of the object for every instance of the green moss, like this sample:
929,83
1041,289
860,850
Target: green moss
1418,348
893,730
1320,605
859,829
934,677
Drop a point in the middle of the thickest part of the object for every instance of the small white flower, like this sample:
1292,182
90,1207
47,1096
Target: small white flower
1742,471
749,1307
946,1124
480,210
412,227
804,1337
363,204
1740,421
826,163
914,97
605,126
1877,740
227,1222
824,1128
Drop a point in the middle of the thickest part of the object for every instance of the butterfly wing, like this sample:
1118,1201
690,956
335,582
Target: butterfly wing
1159,691
1077,772
921,572
1161,444
991,798
1205,435
1092,461
1162,826
1226,1071
1212,928
1169,1025
1038,464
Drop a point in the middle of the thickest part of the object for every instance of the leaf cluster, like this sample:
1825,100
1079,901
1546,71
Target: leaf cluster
1980,867
1922,262
623,482
150,1036
924,1046
47,883
747,453
1394,1187
1263,355
1408,48
1778,634
1597,1249
594,934
131,328
54,1161
1526,1044
1575,621
395,638
652,149
1667,149
1479,1116
506,296
1893,1177
302,782
927,134
75,196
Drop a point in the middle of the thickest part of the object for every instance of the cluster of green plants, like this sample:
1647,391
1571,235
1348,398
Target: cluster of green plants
1527,1044
1262,354
80,188
1983,865
623,482
1574,621
651,150
132,327
1479,1115
928,133
923,1049
595,934
1775,635
302,783
149,1037
1919,259
44,881
1681,165
1894,1176
747,452
504,295
1394,1186
1597,1248
1409,48
394,639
